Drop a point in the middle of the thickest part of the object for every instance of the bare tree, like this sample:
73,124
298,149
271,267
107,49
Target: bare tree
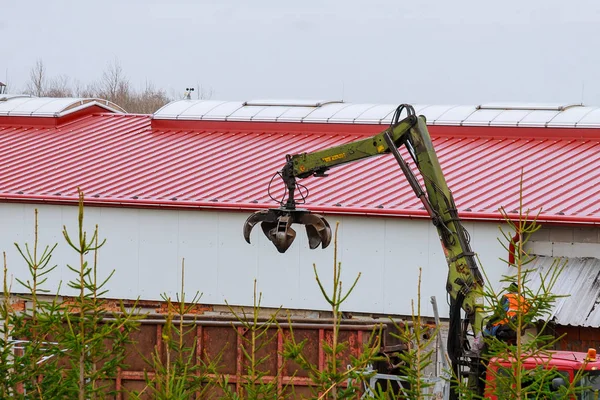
204,93
89,90
78,88
59,87
114,85
147,101
37,79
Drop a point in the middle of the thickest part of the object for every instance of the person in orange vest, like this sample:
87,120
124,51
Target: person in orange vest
498,325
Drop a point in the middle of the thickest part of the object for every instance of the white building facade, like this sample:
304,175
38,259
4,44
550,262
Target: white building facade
146,248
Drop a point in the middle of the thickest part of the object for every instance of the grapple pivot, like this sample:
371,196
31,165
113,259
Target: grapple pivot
277,227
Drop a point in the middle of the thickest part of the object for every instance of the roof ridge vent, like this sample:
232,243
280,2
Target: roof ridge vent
26,106
290,103
526,106
7,96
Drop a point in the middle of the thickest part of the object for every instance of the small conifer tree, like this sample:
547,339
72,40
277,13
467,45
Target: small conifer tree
334,381
507,340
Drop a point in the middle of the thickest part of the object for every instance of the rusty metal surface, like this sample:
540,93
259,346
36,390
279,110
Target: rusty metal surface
577,338
579,282
217,338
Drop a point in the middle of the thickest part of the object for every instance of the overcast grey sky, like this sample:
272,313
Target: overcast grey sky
382,51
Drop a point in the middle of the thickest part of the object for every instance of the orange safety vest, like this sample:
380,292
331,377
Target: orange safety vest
513,307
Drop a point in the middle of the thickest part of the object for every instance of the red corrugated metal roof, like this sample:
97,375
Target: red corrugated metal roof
124,159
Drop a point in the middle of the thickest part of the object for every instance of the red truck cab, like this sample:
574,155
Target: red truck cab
566,365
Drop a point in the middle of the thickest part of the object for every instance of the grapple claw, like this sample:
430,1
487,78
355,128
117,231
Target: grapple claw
268,227
276,225
317,230
282,235
255,218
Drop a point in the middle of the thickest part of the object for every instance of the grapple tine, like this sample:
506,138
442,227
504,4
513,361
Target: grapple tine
314,239
267,227
255,218
282,235
317,230
326,233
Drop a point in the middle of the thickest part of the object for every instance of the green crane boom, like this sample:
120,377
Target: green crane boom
464,283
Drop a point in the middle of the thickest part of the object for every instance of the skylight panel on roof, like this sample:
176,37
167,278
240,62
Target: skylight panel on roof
290,103
538,118
272,113
509,117
222,111
453,116
377,113
325,112
51,106
432,113
351,113
12,103
570,117
8,96
525,106
296,114
590,119
174,108
199,109
245,113
321,111
481,117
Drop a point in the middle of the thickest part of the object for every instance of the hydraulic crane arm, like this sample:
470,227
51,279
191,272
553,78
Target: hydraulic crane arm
464,283
316,163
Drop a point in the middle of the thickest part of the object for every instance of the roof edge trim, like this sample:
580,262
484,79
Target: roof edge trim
238,206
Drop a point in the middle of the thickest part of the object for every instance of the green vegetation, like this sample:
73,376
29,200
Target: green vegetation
176,371
255,337
62,349
334,381
418,357
526,335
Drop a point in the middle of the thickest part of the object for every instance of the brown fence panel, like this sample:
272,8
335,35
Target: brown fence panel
219,339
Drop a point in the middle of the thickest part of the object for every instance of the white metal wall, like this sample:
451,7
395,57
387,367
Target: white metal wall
146,248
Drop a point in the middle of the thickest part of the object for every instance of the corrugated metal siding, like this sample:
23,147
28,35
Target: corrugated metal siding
580,281
122,159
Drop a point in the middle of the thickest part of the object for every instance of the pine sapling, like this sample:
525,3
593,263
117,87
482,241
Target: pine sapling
334,381
177,372
95,337
255,337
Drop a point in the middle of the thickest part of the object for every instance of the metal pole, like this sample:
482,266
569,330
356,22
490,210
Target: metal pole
441,347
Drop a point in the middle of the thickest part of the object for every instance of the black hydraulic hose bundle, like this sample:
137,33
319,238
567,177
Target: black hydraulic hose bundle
455,340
